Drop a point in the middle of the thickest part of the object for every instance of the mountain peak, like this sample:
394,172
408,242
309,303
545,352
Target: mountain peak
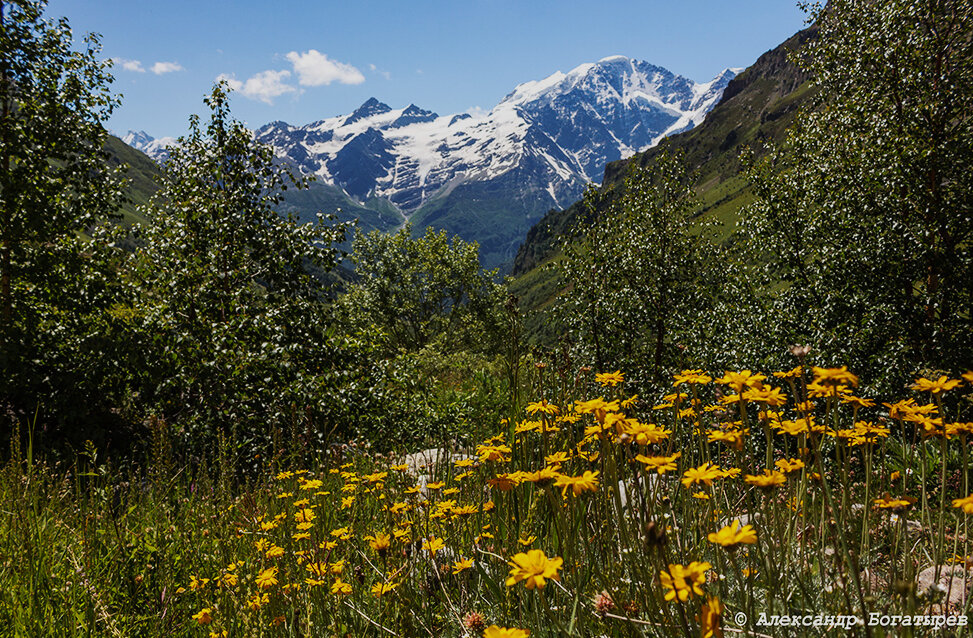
412,114
615,58
134,138
371,107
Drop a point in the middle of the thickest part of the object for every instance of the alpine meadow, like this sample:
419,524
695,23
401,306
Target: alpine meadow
626,355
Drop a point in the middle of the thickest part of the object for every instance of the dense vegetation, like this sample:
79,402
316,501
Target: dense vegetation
206,410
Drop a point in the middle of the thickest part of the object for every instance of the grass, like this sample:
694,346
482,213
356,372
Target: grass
596,513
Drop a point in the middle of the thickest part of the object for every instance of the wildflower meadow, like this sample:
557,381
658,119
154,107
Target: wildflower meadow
598,513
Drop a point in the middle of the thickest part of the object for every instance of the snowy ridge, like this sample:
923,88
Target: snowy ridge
568,124
154,148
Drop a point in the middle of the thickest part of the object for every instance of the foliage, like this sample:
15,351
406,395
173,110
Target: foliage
864,216
55,192
637,273
425,290
236,333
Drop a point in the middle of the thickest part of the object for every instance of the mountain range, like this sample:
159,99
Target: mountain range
755,112
484,176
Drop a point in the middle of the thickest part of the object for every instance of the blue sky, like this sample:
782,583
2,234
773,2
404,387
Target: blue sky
305,61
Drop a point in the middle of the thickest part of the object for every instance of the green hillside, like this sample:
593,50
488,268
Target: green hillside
143,175
754,112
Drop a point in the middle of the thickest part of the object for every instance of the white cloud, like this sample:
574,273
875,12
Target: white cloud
263,87
129,65
166,67
315,68
384,74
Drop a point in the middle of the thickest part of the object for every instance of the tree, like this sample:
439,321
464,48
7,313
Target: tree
635,273
235,326
865,215
425,289
55,189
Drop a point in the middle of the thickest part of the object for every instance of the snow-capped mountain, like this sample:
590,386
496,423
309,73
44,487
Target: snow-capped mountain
488,176
154,148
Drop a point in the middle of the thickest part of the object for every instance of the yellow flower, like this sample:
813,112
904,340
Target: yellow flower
857,402
767,480
497,452
942,384
495,631
266,526
462,565
966,504
660,464
274,551
342,533
766,395
609,378
380,589
733,535
465,510
595,406
691,376
587,482
319,570
304,515
543,407
380,542
543,477
742,379
534,568
267,578
705,473
433,545
645,433
340,587
204,617
732,437
897,505
504,482
197,583
789,465
682,581
526,541
834,376
709,618
376,477
257,601
558,458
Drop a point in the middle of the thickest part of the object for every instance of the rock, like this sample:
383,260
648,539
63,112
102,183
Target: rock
952,582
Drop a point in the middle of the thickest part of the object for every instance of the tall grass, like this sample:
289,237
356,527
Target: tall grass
596,513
